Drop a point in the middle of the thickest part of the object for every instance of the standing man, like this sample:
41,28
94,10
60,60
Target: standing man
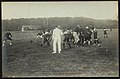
57,39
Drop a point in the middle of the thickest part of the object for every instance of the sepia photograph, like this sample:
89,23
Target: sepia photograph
60,39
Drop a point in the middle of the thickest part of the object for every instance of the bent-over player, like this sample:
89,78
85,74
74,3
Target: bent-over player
7,37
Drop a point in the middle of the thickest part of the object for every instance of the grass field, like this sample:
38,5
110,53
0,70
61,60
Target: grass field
24,58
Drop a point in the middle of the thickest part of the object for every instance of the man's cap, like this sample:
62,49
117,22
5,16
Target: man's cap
58,26
94,29
86,27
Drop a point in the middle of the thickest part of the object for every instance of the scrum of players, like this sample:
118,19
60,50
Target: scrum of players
72,37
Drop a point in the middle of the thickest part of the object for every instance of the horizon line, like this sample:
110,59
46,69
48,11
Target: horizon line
56,17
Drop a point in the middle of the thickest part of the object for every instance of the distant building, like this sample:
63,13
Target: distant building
30,27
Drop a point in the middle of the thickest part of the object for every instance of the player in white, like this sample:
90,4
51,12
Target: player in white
57,39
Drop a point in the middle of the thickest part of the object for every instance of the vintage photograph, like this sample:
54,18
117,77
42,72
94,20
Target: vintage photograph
60,39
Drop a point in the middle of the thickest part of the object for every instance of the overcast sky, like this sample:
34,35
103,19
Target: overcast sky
90,9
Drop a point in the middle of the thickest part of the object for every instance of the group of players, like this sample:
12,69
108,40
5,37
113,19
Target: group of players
78,36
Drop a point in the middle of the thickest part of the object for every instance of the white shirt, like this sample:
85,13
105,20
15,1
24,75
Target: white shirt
46,32
57,34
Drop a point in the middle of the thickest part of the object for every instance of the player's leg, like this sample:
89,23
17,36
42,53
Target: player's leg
94,41
10,40
106,35
68,42
47,41
3,43
98,43
63,44
64,41
43,41
59,45
82,40
75,41
85,40
37,36
89,41
79,41
54,45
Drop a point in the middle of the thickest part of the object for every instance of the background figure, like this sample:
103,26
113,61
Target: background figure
7,37
57,39
110,28
105,33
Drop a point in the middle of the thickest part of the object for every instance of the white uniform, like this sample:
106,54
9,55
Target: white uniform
57,39
76,37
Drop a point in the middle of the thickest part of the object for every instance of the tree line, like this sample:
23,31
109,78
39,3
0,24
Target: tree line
64,22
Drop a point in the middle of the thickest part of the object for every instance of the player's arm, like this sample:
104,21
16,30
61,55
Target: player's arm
62,33
82,33
5,36
53,35
37,35
10,34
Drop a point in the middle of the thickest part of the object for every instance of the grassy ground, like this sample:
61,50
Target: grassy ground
24,58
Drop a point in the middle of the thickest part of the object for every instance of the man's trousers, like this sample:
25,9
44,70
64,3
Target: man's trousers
57,43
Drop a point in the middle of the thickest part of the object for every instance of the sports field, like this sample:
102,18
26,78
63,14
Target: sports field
27,58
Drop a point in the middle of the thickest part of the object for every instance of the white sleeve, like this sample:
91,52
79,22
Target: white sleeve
61,33
53,34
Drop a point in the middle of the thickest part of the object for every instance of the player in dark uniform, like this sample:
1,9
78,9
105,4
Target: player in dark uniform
46,38
7,37
95,34
40,34
67,37
80,34
82,37
111,29
87,35
77,29
105,33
